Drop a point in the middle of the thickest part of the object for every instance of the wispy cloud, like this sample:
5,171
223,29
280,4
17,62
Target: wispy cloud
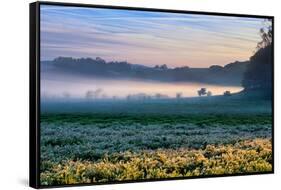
147,38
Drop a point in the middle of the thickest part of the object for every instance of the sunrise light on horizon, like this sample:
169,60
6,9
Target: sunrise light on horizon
147,38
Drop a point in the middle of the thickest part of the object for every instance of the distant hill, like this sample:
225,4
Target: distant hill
230,74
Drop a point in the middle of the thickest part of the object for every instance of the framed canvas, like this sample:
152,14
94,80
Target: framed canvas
123,94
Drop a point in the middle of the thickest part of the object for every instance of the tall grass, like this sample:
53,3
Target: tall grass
247,156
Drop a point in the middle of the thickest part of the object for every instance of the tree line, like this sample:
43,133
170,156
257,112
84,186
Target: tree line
259,73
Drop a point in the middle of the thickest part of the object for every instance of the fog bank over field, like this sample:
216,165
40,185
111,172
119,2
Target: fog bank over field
61,85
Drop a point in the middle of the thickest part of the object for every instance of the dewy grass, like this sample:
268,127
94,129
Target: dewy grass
123,143
247,156
93,135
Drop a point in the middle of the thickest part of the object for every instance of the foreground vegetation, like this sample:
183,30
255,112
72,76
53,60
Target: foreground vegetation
90,136
101,141
247,156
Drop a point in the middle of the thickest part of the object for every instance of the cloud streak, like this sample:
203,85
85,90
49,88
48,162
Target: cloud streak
147,38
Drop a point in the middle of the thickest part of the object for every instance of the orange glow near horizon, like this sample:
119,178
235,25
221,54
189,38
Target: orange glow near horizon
147,38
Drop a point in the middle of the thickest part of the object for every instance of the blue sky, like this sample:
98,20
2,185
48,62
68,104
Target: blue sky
147,38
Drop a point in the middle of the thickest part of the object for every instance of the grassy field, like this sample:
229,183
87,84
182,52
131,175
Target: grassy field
247,156
132,140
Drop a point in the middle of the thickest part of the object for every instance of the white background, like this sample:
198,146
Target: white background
14,63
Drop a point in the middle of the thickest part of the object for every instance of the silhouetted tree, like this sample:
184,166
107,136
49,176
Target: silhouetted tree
227,93
156,67
159,96
164,67
266,35
179,95
216,68
202,92
258,75
100,60
90,94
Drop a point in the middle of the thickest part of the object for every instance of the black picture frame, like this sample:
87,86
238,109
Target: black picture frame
34,88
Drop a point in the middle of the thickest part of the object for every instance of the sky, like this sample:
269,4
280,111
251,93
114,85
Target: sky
147,38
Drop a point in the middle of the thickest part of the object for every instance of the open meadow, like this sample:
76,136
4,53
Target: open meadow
101,141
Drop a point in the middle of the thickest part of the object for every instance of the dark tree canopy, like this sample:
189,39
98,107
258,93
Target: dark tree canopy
258,75
259,72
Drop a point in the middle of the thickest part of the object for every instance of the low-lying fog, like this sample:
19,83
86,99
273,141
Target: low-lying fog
73,86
